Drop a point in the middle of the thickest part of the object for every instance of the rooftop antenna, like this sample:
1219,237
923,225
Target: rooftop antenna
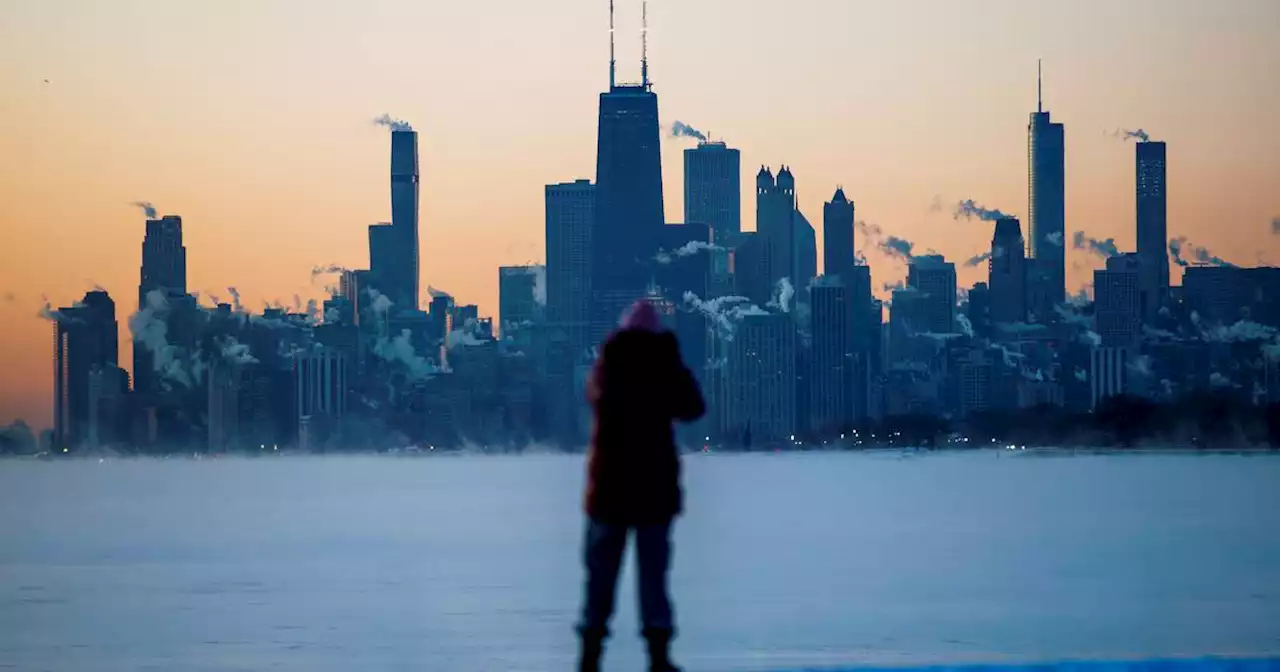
613,64
1039,89
644,43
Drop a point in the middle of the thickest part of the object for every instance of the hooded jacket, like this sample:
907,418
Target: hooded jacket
637,388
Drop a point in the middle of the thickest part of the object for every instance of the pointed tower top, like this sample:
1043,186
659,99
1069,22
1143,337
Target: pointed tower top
613,64
644,43
1039,88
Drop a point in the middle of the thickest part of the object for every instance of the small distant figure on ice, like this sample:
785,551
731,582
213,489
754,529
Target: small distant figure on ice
637,389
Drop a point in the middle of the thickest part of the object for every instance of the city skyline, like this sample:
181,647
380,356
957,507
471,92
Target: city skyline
218,257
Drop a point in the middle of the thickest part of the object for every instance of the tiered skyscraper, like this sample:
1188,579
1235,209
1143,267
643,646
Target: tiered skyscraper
1046,209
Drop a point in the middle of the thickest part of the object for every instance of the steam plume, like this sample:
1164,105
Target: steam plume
1125,134
690,248
540,285
968,209
1102,248
785,292
438,293
147,208
393,123
898,247
1186,253
326,270
723,313
978,260
1275,226
1054,238
235,300
400,351
683,130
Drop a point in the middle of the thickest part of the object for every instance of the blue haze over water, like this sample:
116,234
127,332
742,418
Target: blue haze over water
471,562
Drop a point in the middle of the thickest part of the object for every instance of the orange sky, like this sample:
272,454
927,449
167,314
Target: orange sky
252,121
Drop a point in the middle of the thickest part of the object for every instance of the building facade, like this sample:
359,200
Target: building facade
1151,199
1046,209
628,203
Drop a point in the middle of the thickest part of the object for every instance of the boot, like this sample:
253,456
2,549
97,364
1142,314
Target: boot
592,650
660,651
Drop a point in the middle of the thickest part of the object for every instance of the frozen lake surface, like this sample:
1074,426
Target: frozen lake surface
471,563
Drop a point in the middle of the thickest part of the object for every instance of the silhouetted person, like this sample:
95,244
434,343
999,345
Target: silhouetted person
638,387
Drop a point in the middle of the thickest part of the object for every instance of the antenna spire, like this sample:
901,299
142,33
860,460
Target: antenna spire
644,43
1039,88
613,64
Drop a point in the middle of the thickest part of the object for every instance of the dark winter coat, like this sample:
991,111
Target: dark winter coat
638,387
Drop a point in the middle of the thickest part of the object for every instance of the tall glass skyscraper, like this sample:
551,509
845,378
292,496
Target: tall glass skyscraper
628,207
403,281
1046,194
1153,229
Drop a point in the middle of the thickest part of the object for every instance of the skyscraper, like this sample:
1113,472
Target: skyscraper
776,223
713,196
85,341
934,279
1046,192
519,288
570,216
837,235
402,284
761,379
750,268
713,189
1008,274
385,260
629,212
1118,301
806,261
831,362
164,269
1152,216
164,258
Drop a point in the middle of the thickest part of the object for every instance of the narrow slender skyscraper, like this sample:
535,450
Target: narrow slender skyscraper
837,235
628,198
1153,233
1046,193
403,284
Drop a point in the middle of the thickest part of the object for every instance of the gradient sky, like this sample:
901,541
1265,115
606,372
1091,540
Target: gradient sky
251,119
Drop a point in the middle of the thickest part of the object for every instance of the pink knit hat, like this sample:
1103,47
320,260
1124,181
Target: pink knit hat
640,315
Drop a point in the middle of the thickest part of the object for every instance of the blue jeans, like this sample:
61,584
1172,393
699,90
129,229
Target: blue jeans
602,553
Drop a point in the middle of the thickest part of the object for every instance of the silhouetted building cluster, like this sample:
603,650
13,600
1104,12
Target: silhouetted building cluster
784,354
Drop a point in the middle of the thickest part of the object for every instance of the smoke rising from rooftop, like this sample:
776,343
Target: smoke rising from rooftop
396,125
147,208
968,209
1102,248
682,130
1185,253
